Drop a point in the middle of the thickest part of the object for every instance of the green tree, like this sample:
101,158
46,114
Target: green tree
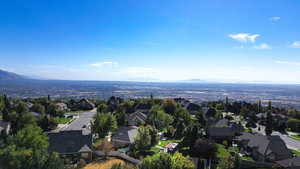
2,105
181,162
54,162
54,110
169,106
270,105
142,141
122,118
182,119
104,123
154,135
21,108
191,135
269,124
201,119
166,161
204,149
38,108
102,108
28,149
158,118
259,107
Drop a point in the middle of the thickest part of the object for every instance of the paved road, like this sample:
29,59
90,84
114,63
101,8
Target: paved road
81,123
290,143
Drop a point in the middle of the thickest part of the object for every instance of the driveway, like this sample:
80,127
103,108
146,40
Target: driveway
83,122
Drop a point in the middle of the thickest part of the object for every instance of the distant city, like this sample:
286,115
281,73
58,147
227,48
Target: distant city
287,96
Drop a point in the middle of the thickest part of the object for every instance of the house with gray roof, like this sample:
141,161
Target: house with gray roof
68,142
124,136
264,148
136,119
220,134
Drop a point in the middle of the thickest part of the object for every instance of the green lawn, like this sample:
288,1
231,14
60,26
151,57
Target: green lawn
222,151
295,137
297,153
155,149
63,120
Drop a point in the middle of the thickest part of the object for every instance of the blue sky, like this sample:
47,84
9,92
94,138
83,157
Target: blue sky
232,40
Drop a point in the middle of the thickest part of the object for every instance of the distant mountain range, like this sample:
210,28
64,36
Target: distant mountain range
5,75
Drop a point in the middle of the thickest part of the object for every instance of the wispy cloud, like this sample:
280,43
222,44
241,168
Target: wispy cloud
288,62
295,44
263,46
100,64
244,37
275,18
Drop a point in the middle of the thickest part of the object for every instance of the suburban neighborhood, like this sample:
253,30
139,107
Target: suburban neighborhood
222,134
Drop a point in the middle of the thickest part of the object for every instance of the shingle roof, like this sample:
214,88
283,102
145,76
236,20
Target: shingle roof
126,134
68,142
137,115
220,132
266,144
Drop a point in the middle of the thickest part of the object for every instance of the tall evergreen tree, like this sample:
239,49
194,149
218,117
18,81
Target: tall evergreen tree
269,124
270,106
259,107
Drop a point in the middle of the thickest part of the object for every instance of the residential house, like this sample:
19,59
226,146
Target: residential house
85,104
136,119
170,148
264,148
62,106
291,163
235,127
29,105
220,134
124,136
70,142
5,126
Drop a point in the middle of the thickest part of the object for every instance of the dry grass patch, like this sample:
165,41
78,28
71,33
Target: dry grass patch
104,165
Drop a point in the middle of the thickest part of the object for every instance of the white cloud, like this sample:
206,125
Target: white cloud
244,37
288,63
100,64
263,46
295,44
275,18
